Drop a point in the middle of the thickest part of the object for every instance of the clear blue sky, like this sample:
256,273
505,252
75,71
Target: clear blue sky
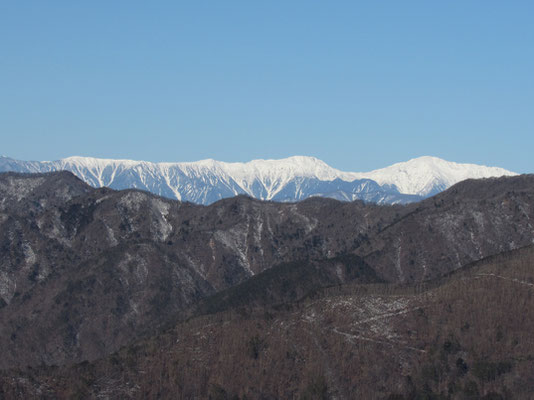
358,84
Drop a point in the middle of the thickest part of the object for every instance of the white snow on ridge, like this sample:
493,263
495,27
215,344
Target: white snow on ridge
273,175
262,179
276,174
426,174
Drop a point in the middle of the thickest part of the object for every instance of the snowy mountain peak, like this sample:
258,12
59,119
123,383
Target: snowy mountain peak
428,175
283,169
289,179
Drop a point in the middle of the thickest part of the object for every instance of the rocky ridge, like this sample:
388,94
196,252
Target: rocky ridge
98,268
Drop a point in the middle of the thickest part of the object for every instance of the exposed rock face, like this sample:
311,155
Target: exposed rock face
84,271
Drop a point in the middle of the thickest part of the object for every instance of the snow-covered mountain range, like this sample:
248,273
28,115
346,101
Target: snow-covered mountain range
290,179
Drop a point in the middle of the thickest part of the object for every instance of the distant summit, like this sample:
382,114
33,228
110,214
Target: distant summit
289,179
426,176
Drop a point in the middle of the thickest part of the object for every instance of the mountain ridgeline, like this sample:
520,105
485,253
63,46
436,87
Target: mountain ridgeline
319,290
287,180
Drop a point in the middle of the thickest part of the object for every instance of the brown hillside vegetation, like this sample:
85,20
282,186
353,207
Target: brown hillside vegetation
465,336
85,272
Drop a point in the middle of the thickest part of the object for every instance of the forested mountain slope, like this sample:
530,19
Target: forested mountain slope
84,271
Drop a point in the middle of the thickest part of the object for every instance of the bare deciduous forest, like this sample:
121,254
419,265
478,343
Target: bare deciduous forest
347,300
